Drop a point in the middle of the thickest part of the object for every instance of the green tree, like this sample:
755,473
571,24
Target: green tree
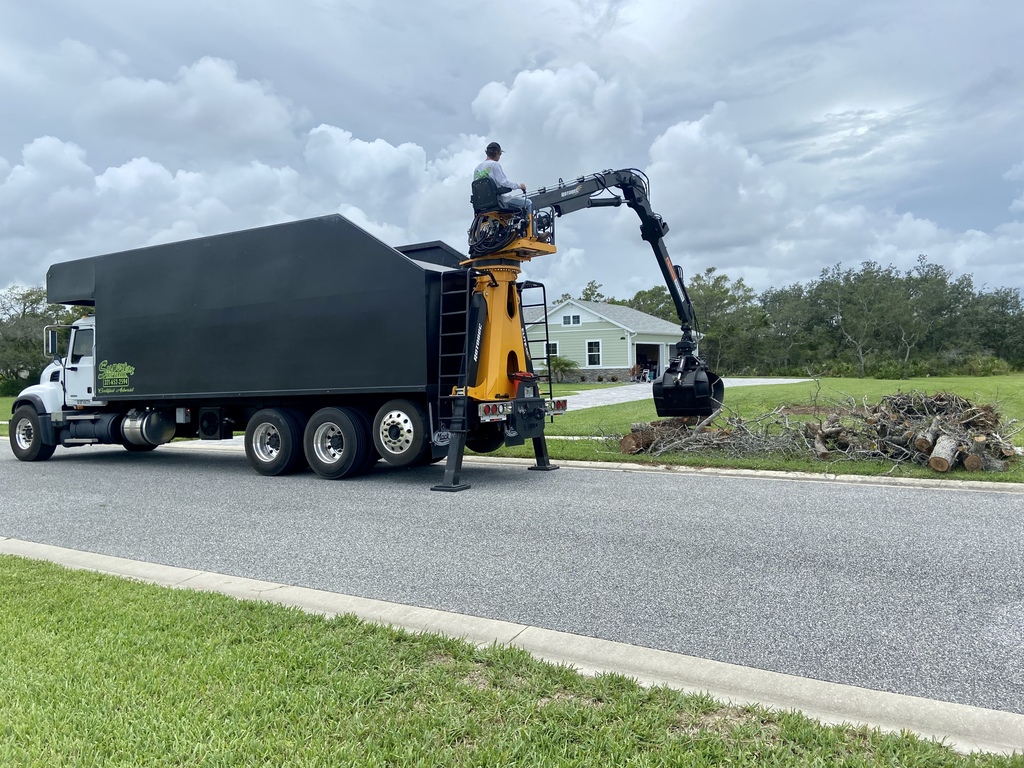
592,292
23,315
861,307
930,316
730,320
996,318
796,336
654,301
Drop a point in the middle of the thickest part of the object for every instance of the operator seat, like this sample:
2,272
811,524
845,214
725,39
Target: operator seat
485,195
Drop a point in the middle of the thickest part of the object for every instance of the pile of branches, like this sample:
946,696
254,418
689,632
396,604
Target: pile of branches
940,431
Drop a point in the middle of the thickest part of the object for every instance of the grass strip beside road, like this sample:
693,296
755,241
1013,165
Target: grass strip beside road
597,430
100,671
5,413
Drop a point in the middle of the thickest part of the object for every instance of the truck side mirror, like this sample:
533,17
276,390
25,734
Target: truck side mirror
51,342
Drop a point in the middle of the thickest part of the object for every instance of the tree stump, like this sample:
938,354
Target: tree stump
974,461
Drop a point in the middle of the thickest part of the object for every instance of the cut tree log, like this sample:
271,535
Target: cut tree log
992,464
944,454
974,461
924,441
636,441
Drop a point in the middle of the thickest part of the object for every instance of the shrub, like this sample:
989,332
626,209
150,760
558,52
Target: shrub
600,377
562,367
13,387
984,365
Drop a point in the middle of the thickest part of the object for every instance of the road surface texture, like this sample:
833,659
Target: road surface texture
913,590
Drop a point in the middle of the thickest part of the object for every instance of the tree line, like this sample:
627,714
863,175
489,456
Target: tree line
872,321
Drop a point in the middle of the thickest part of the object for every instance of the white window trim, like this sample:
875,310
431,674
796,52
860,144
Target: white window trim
552,344
600,352
567,320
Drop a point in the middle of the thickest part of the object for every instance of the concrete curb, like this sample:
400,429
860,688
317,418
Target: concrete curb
964,728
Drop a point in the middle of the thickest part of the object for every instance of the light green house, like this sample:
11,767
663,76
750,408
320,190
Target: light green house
606,340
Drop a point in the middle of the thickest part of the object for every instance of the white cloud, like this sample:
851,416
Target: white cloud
778,140
206,109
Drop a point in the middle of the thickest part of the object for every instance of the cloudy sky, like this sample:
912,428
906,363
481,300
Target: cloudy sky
780,138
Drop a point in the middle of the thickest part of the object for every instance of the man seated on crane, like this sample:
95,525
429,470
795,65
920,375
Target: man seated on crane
491,168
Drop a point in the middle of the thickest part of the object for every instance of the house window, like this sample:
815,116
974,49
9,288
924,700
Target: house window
570,319
552,349
594,353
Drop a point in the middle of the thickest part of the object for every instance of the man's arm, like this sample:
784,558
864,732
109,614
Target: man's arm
498,174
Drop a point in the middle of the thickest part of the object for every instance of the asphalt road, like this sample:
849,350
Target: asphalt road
912,590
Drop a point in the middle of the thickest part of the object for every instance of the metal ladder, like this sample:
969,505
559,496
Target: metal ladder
544,340
453,325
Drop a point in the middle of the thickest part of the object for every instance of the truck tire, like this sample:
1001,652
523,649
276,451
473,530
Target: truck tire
336,443
27,436
486,439
400,433
273,441
372,457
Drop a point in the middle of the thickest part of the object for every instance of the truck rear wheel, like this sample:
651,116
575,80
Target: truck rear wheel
400,433
27,436
336,443
273,441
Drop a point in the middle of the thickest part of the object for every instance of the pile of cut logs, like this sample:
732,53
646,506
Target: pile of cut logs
940,431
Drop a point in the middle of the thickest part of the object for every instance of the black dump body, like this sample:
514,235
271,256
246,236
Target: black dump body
308,307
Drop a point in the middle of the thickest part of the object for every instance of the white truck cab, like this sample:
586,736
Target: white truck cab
67,382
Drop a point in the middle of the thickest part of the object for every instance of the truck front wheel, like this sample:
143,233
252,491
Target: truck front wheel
336,443
400,433
27,436
273,441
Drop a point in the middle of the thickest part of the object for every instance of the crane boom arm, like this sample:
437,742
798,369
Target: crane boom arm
687,386
586,191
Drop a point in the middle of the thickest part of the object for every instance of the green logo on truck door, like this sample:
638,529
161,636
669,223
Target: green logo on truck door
114,378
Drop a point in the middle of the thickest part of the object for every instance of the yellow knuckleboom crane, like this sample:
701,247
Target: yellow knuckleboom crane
499,372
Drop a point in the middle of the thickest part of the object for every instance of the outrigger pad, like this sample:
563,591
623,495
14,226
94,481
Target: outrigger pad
697,392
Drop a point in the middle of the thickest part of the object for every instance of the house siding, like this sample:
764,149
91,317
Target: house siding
618,342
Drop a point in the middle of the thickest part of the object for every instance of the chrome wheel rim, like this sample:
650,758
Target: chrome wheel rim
396,433
266,442
328,443
23,434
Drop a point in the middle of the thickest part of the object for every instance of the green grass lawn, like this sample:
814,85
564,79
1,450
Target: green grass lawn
5,413
604,425
1006,391
100,671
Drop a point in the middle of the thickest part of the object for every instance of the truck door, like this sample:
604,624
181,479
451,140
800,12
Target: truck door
78,375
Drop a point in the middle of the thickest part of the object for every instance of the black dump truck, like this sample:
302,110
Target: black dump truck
326,347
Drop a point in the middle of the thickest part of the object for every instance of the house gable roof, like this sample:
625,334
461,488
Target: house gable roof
627,318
